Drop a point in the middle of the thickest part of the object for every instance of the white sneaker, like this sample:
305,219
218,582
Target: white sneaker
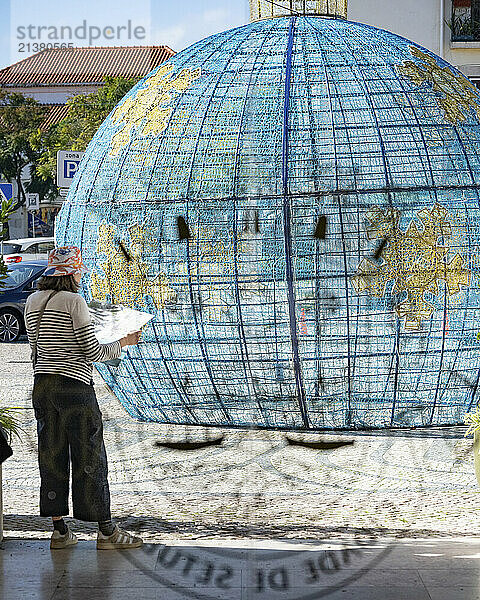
119,540
62,541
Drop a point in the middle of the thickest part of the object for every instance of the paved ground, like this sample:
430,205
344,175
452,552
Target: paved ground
411,483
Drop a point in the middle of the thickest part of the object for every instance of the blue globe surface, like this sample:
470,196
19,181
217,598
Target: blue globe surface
259,138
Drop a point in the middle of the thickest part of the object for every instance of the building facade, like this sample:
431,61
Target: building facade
450,28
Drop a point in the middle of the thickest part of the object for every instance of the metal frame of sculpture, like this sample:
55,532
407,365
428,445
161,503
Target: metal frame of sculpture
255,137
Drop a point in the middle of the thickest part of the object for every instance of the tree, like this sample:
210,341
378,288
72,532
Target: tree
86,112
20,118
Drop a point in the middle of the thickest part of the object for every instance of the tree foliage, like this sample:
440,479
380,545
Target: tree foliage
20,118
86,112
25,143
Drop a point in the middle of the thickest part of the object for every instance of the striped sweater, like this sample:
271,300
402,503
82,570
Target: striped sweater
66,343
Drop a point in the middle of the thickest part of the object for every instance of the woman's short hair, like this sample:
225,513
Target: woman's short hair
59,283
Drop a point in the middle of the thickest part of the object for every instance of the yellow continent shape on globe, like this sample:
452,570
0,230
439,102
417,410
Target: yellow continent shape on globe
124,281
148,111
414,260
458,96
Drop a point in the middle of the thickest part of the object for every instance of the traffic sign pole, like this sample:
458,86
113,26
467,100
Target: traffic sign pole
33,204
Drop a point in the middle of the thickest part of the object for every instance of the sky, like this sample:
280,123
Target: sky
25,24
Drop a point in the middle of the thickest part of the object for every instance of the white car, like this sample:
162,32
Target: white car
15,251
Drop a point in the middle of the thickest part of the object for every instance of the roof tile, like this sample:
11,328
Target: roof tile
55,114
83,66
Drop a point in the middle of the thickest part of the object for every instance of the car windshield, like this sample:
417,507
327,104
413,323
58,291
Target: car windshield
18,274
6,248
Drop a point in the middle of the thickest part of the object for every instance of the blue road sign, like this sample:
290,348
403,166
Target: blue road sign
6,191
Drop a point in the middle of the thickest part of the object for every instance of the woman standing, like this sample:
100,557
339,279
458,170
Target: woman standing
69,421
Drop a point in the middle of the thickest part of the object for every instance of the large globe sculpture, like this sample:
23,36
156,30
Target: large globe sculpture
296,202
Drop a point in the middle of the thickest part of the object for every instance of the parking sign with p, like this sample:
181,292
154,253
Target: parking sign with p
67,165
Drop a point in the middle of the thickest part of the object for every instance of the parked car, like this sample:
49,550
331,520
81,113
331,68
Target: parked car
14,290
16,251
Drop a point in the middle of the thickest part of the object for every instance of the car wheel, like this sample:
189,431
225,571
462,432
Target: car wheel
10,326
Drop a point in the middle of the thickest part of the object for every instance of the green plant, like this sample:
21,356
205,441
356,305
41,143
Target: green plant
10,422
463,26
473,421
6,209
86,112
20,117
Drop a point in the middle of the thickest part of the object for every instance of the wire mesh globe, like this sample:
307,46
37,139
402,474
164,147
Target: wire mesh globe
296,201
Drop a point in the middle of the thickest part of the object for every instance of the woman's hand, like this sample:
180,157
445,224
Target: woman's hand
131,339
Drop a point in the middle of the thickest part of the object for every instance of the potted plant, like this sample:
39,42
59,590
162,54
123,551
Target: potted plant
473,422
463,28
9,424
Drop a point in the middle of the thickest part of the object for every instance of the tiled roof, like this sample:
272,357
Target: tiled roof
55,114
83,66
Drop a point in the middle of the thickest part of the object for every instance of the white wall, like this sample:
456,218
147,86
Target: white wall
17,224
466,57
53,95
417,20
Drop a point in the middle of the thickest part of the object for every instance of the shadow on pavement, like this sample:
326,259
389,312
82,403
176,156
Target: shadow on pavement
192,530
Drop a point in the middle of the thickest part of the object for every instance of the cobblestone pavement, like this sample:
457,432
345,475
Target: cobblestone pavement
404,484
